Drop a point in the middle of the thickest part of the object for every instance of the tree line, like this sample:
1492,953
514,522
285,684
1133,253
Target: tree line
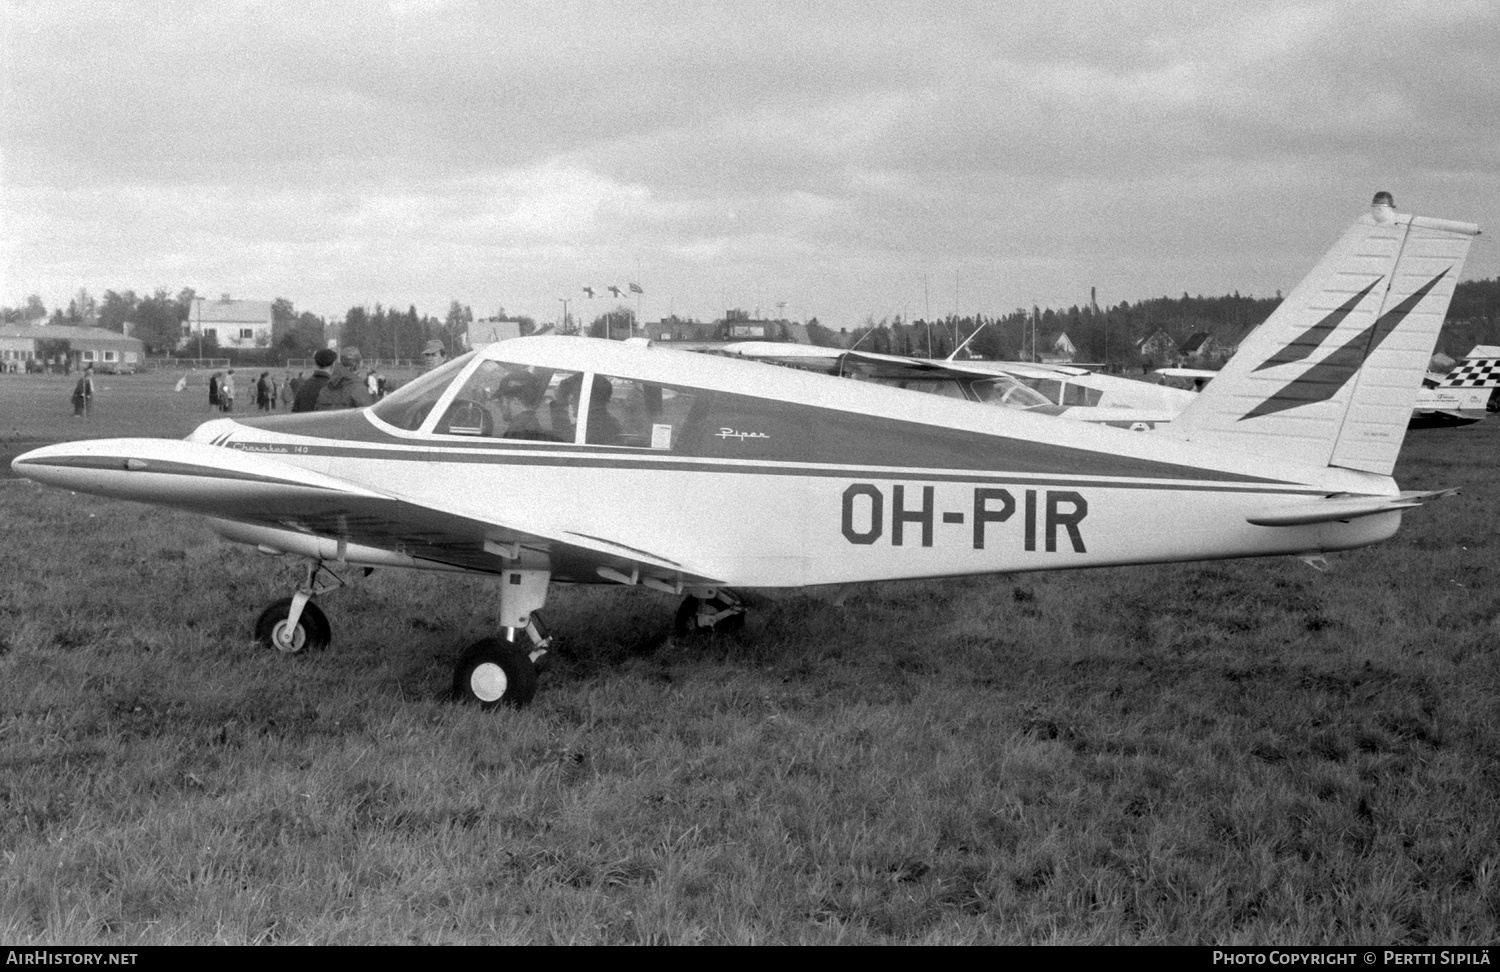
1102,335
1112,335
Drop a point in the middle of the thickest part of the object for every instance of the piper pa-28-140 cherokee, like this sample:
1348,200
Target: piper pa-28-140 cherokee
561,459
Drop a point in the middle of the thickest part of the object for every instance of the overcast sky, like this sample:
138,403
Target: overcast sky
842,159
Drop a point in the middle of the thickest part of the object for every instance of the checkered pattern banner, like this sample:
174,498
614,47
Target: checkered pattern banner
1479,373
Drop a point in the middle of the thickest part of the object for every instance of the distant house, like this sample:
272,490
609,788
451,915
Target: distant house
1157,348
1204,349
27,347
1055,347
229,323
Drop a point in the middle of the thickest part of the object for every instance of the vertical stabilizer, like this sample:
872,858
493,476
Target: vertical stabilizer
1332,375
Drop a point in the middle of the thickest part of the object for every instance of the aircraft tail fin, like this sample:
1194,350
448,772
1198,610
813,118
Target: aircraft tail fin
1332,375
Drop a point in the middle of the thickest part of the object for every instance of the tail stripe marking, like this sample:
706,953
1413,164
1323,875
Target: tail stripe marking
1323,380
1313,337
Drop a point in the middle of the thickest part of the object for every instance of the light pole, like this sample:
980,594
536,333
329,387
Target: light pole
562,325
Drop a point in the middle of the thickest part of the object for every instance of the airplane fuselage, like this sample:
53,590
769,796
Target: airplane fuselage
776,478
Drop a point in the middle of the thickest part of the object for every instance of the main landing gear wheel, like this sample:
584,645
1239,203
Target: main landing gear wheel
312,632
717,614
494,672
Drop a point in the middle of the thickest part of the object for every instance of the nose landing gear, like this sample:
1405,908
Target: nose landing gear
295,625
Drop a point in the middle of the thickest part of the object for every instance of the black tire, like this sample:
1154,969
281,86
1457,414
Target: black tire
313,632
685,625
493,672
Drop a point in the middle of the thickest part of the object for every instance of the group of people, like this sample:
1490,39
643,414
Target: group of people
268,391
334,383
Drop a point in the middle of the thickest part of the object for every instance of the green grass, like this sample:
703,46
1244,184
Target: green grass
1231,752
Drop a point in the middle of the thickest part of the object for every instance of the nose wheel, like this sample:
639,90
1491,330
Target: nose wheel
309,632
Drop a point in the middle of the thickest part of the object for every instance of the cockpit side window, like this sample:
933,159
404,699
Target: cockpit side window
500,400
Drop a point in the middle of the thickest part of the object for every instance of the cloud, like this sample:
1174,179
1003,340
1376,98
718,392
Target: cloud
838,154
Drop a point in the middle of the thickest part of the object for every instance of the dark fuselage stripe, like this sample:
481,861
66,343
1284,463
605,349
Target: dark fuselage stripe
617,460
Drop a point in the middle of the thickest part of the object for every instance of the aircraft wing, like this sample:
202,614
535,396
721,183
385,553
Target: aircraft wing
805,356
1187,373
257,499
890,367
1341,508
1017,369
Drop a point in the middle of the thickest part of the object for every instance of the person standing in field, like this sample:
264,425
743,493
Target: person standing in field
344,388
288,390
264,392
226,392
213,392
83,393
307,392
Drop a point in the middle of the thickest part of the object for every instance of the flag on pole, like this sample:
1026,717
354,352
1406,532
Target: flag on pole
636,288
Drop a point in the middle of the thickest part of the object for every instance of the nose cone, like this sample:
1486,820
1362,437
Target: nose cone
75,465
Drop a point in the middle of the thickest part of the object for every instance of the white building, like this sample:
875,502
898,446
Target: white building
231,323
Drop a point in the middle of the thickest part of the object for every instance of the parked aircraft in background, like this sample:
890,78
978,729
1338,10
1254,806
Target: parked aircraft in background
1465,395
546,460
1468,393
1060,390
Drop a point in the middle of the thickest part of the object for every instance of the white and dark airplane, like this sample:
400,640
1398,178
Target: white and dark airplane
549,460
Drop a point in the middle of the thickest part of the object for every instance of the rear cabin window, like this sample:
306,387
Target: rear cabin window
1079,395
639,414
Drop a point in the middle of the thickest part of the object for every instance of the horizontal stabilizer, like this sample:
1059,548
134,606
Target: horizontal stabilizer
1341,508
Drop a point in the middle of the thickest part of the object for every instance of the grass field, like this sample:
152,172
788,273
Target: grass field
1235,752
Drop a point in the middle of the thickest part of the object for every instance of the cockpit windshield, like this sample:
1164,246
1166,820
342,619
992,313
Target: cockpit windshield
407,406
1008,392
